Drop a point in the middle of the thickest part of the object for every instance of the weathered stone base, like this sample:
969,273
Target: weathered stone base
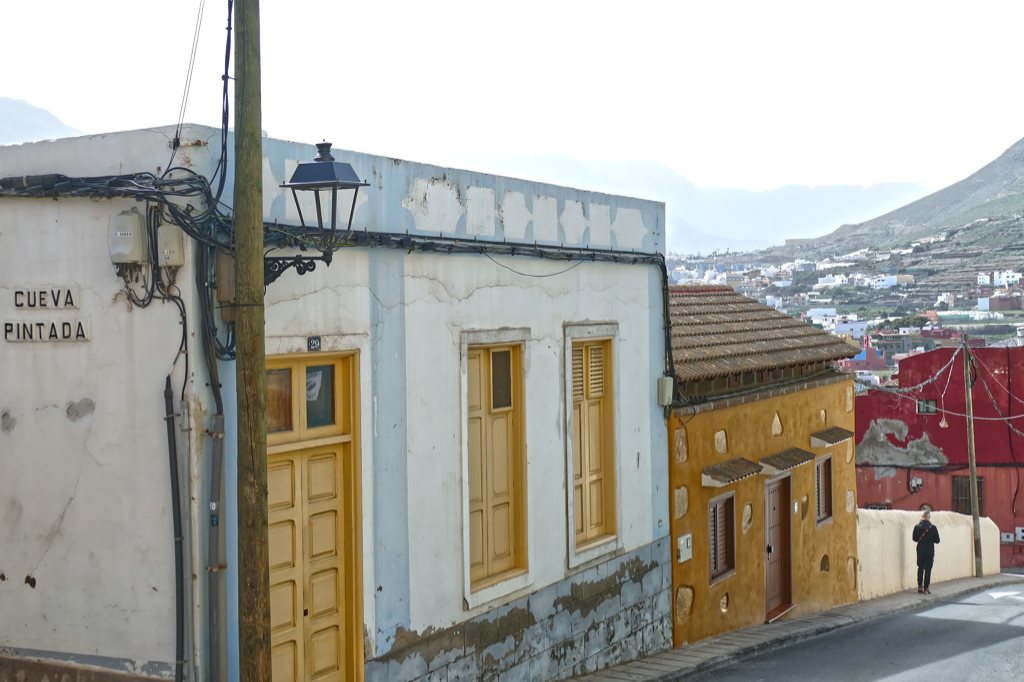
19,669
611,613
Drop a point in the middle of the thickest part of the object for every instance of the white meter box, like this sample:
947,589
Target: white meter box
169,249
128,240
684,548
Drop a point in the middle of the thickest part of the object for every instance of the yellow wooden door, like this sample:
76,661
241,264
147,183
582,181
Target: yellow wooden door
310,558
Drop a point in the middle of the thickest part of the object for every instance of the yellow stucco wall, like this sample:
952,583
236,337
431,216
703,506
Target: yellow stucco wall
749,434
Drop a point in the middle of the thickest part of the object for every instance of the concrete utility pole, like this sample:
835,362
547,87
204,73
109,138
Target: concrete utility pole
978,571
253,562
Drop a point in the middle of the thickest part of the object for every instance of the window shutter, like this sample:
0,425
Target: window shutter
817,497
712,539
577,374
827,497
722,548
596,371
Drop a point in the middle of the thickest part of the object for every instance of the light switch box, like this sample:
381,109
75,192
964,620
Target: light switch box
1020,533
684,548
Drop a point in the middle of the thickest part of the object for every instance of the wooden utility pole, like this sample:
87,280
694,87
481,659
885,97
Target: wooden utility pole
978,571
253,562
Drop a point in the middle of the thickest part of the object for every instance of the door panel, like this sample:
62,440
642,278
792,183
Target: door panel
776,566
309,607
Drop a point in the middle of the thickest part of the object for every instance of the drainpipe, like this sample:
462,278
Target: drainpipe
179,556
213,552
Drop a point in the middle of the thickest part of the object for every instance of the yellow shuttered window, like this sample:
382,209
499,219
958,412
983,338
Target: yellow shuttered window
593,442
497,473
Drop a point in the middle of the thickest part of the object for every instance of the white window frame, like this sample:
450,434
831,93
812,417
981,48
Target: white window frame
591,332
520,581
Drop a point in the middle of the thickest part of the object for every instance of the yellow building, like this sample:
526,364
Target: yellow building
761,466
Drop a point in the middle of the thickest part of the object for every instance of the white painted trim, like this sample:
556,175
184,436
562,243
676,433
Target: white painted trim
613,545
506,588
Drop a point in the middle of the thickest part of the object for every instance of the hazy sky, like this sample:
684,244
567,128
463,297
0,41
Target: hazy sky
742,94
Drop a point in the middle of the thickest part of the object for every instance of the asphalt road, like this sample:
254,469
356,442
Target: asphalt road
980,637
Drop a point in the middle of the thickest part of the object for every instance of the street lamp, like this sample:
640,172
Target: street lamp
323,173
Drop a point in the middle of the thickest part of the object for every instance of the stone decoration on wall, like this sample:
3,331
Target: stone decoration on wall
803,507
684,603
748,516
849,451
721,444
849,399
776,425
851,501
823,417
724,603
682,502
681,450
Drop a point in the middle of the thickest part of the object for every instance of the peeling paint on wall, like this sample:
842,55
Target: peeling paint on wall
876,449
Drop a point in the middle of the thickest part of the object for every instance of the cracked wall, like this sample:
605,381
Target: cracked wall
613,612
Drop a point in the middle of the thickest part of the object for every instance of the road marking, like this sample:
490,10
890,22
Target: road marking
1000,595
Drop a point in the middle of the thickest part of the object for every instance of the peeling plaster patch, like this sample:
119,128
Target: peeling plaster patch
545,219
480,211
803,507
81,409
748,516
851,501
721,444
682,502
682,453
823,415
629,228
7,421
875,448
600,225
776,425
30,581
574,223
724,603
435,205
684,603
849,399
849,451
824,564
851,572
514,215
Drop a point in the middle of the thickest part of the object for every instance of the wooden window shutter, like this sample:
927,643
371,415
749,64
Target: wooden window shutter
713,539
596,383
721,533
577,374
817,496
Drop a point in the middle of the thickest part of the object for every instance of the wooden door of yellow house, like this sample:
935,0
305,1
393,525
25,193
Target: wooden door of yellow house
313,500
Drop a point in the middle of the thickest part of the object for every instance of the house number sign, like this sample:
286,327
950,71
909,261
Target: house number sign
30,328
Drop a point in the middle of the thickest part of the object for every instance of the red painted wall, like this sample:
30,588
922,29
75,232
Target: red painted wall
995,443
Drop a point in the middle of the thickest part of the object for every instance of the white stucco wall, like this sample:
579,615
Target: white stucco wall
84,482
887,553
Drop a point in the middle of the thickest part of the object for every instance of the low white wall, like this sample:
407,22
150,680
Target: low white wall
887,553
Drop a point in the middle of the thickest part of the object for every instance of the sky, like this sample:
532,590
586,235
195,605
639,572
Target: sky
731,94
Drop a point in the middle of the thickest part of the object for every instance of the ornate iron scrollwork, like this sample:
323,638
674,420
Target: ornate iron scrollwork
275,267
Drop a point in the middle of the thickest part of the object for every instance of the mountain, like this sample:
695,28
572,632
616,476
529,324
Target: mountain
22,122
704,219
982,217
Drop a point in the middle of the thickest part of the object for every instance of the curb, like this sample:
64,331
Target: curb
830,623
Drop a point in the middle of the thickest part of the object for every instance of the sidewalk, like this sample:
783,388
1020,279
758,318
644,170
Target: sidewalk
724,650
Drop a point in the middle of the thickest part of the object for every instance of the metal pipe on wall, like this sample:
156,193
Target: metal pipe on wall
179,555
213,570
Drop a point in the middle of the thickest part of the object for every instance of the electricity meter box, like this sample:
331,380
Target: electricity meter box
684,548
169,251
129,242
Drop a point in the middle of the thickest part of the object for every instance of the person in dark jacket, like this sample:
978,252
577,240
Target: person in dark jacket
926,536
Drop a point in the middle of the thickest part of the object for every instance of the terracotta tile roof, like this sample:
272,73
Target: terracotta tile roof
785,460
717,332
830,436
724,473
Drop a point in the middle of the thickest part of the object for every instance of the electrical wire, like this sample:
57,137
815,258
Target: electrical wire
526,274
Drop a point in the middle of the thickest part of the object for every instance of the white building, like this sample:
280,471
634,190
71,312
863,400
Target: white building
946,298
1005,278
429,488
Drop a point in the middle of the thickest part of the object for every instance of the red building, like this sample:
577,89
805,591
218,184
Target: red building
912,446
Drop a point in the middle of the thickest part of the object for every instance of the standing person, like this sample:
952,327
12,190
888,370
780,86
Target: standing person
926,536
